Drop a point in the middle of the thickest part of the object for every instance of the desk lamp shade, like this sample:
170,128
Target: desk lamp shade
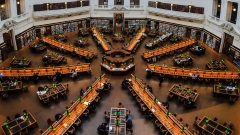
188,90
136,78
168,113
24,68
211,61
222,61
81,100
183,128
10,68
38,67
227,130
51,127
99,77
207,119
14,57
67,112
24,58
238,70
155,100
6,124
46,88
91,88
25,115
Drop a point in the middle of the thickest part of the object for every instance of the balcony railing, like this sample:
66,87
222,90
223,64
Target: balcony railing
61,12
224,24
184,15
118,7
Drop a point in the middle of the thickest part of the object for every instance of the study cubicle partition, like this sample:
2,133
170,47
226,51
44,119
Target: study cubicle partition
169,121
45,71
205,74
76,109
68,48
167,49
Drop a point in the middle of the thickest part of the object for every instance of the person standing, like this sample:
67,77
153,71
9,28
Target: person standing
160,80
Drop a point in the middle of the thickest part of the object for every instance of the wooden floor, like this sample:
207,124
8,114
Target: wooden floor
207,105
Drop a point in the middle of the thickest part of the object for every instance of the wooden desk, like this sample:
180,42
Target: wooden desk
60,38
104,43
152,33
81,42
83,32
224,90
216,65
16,126
213,127
119,38
134,41
37,47
198,50
47,71
4,87
67,47
169,49
117,124
56,59
174,71
169,122
52,91
76,109
20,63
106,30
182,60
183,92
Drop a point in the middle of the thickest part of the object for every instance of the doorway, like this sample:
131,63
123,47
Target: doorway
228,40
7,38
119,19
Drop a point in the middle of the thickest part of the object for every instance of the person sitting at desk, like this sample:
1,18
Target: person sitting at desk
128,121
35,77
194,77
61,48
74,52
17,116
40,89
45,59
124,82
81,92
1,77
20,64
144,34
10,83
58,76
120,105
149,88
189,103
94,35
58,116
103,128
74,73
46,88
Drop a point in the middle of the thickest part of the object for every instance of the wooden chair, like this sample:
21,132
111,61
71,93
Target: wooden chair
232,99
71,130
77,122
158,123
24,132
85,113
55,97
46,100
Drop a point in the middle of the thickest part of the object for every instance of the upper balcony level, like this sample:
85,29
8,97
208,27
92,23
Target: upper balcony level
231,27
60,9
119,7
180,11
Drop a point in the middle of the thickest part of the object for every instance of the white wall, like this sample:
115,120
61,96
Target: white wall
207,4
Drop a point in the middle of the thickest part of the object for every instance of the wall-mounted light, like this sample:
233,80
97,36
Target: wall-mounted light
219,5
66,3
47,4
18,2
2,6
190,6
81,1
234,9
156,2
171,4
